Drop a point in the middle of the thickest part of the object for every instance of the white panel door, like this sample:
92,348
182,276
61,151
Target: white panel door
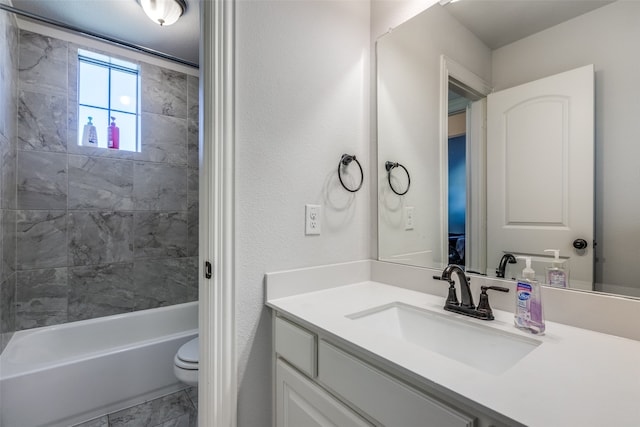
540,177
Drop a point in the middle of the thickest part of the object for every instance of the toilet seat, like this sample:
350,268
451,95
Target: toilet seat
188,354
185,362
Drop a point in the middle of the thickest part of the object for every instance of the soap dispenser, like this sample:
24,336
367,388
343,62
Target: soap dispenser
556,275
528,312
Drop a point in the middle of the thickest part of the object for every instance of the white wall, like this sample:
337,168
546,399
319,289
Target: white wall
409,104
608,38
302,82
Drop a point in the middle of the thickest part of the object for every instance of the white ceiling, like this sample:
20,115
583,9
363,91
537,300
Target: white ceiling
500,22
125,20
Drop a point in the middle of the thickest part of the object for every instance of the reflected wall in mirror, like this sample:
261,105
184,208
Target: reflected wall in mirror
413,105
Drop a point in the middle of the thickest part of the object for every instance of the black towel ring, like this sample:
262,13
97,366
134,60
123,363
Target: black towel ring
389,166
345,160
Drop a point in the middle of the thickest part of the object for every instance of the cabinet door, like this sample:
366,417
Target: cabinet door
301,403
382,397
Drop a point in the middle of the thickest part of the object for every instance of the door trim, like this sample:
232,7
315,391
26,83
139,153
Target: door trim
217,397
451,69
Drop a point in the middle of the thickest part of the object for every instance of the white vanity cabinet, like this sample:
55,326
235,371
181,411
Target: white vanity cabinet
319,383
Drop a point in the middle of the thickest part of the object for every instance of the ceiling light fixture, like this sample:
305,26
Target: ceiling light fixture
164,12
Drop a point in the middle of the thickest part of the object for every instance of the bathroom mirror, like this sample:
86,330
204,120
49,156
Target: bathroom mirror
444,61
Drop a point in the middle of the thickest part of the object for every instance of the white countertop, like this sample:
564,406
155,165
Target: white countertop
575,377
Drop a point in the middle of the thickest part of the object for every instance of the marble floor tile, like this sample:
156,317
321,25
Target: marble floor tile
192,392
155,412
42,122
41,298
164,91
100,183
43,63
41,238
160,234
158,186
102,290
164,139
100,237
42,180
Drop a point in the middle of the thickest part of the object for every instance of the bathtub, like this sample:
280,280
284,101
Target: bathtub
66,374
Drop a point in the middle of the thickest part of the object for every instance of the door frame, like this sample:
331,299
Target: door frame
217,379
476,166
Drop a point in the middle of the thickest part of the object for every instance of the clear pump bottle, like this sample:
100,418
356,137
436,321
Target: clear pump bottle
528,311
556,275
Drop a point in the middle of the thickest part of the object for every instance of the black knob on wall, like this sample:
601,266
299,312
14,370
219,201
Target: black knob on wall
580,244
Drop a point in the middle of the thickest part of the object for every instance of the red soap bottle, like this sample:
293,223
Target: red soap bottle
114,135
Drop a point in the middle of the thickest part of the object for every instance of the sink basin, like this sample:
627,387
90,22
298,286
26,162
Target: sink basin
482,347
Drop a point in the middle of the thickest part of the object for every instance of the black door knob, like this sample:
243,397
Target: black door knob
580,244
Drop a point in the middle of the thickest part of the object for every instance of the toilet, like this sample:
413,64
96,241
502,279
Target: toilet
185,362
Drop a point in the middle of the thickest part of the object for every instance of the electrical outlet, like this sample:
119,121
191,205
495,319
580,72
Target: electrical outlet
313,219
408,217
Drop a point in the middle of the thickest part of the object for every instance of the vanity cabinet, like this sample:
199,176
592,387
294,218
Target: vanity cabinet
320,383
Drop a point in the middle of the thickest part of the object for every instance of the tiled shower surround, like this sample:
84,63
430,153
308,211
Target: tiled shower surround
8,203
98,231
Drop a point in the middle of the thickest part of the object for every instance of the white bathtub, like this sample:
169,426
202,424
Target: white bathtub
65,374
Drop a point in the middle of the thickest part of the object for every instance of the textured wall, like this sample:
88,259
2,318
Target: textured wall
302,73
98,231
8,114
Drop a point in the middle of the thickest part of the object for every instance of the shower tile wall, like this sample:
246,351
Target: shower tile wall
99,231
8,173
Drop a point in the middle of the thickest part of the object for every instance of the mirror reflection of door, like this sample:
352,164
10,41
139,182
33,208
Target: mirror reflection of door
540,157
463,128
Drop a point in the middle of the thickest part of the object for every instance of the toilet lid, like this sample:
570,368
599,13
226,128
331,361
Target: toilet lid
189,352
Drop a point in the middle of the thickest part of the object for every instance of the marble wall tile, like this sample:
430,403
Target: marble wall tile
100,183
102,421
158,186
164,91
42,122
7,310
192,225
8,174
193,119
100,290
192,278
41,239
9,253
41,298
43,63
156,412
160,234
100,237
193,181
161,282
42,180
164,139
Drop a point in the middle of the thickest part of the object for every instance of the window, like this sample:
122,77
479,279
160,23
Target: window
109,87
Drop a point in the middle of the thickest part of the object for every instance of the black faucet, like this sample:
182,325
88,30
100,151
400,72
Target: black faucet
466,306
465,289
502,267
